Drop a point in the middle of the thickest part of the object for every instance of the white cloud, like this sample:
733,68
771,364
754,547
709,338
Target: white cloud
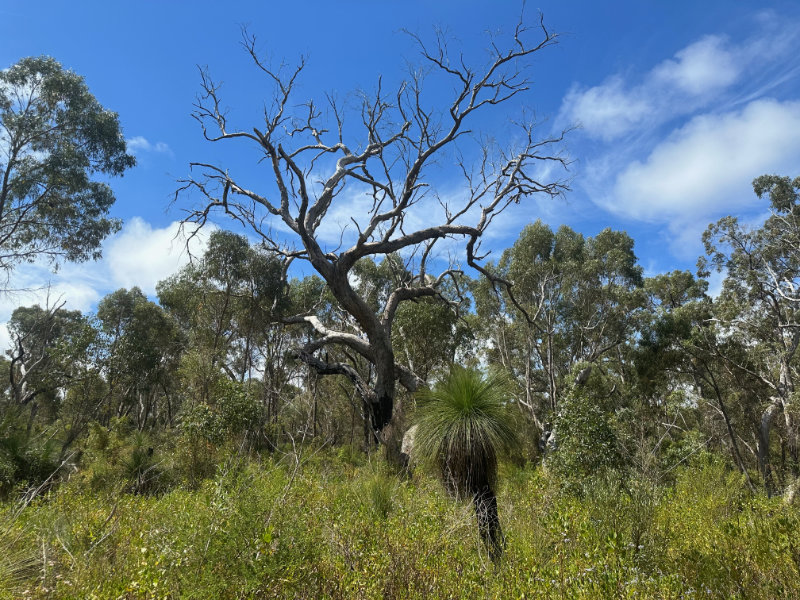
606,111
679,144
700,73
139,144
701,68
337,228
36,284
707,165
141,255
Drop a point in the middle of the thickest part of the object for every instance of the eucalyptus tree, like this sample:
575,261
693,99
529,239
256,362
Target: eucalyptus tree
52,349
228,304
431,335
391,151
51,358
55,137
226,301
143,347
574,300
680,373
758,310
670,351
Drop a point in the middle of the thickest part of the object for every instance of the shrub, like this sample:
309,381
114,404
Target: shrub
119,457
587,442
26,458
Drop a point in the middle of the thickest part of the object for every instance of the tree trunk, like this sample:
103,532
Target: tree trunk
32,417
763,443
489,522
792,442
787,389
383,403
392,438
737,456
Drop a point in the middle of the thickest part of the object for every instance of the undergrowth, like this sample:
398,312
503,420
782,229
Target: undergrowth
325,526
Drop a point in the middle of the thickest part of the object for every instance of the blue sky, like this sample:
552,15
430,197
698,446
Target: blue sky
681,105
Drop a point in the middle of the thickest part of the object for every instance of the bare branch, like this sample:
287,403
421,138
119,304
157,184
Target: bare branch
400,140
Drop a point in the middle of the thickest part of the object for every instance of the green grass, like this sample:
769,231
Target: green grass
330,528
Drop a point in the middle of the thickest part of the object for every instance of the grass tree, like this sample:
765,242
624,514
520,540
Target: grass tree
463,425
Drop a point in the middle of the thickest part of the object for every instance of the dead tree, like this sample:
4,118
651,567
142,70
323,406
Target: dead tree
405,142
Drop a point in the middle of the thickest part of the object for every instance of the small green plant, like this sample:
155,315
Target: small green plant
379,490
119,457
140,468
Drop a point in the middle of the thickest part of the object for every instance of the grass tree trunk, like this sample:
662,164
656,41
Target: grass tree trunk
491,533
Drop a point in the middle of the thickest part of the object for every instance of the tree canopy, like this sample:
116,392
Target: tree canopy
55,139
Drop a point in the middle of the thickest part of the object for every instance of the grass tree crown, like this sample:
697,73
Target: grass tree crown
463,425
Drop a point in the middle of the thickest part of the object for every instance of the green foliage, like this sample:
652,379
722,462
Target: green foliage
227,303
234,412
271,528
574,299
587,440
234,418
58,138
238,407
142,351
195,456
26,459
52,352
350,455
757,316
428,335
463,425
119,457
201,422
377,491
377,279
663,402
